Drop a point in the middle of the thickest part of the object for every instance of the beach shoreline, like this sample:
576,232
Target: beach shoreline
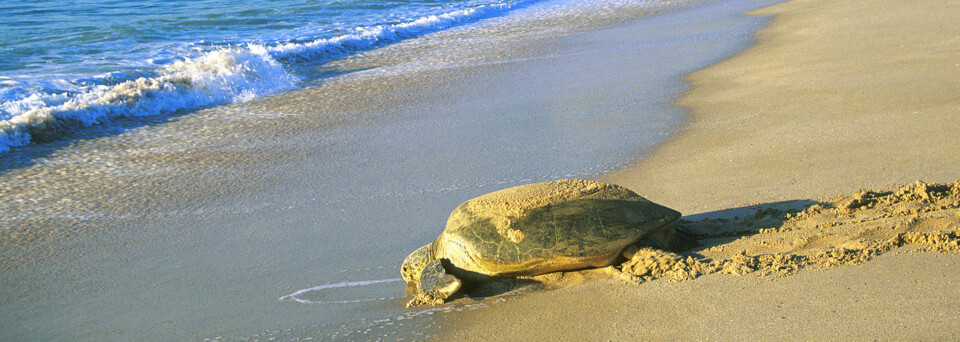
824,104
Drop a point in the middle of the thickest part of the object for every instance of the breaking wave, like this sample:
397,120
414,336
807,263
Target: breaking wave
219,76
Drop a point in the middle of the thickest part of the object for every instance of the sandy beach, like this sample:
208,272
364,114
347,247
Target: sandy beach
834,97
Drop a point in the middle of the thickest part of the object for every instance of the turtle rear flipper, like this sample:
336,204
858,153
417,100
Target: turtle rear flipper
435,285
667,238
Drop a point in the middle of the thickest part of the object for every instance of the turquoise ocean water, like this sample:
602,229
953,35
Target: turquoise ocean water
69,65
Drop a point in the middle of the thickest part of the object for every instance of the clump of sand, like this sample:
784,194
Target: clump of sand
847,230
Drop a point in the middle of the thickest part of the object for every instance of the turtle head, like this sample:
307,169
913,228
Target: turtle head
415,262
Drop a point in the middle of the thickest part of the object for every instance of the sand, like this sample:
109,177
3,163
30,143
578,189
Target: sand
836,96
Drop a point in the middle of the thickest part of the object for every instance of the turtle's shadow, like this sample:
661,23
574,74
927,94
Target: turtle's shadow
501,287
489,288
723,226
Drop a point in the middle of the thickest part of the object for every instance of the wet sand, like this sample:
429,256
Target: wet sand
836,96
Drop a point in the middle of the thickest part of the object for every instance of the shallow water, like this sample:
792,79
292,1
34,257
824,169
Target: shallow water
194,226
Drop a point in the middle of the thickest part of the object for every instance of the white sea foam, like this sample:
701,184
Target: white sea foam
295,296
365,38
221,76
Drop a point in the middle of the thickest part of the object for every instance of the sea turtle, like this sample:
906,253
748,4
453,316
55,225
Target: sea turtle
535,229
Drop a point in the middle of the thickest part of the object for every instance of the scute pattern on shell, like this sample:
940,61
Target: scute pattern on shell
546,227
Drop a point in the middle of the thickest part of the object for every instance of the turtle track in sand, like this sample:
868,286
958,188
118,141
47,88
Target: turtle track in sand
776,241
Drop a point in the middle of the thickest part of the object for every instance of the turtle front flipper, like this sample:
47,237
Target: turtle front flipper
435,285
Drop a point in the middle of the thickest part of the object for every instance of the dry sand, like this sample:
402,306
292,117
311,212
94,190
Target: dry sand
836,96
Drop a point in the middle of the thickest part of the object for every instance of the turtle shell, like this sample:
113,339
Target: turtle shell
546,227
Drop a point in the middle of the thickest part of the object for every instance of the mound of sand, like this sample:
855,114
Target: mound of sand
840,231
